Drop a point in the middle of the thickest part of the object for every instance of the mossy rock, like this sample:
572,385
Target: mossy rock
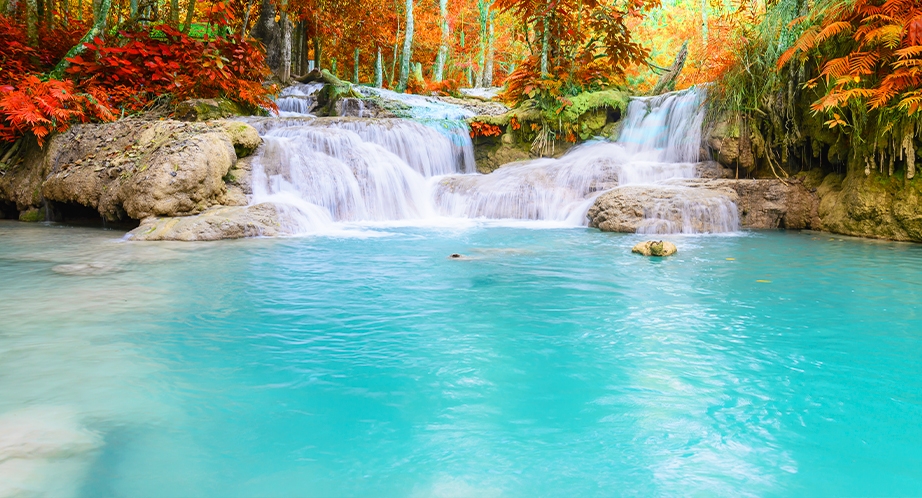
208,109
657,248
32,215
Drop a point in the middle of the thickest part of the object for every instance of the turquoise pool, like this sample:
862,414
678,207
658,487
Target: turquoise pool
548,362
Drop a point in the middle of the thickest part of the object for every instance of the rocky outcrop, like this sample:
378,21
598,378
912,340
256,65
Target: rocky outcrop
491,154
217,223
135,169
659,248
760,204
768,204
875,205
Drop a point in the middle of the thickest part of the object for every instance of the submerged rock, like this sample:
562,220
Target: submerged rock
86,269
221,222
658,248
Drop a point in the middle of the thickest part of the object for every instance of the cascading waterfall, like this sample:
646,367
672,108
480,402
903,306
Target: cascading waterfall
320,171
298,100
660,140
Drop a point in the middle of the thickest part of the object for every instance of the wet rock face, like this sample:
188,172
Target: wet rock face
220,222
136,169
875,205
664,209
760,204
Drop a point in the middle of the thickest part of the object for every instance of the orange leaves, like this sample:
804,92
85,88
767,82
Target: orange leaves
589,46
42,107
480,129
885,58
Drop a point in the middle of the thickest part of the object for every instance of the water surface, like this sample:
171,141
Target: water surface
546,363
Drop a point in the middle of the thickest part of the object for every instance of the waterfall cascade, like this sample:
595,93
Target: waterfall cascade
320,171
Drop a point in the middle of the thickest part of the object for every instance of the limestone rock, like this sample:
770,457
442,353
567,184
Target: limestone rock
768,204
133,169
664,209
221,222
878,206
728,145
760,204
659,248
208,109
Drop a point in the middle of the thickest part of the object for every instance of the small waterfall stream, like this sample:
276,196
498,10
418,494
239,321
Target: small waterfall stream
321,171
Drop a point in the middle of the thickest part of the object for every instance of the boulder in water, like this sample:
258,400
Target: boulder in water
221,222
658,248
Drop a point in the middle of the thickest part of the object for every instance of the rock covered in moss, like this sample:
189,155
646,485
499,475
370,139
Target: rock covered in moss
658,248
32,215
208,109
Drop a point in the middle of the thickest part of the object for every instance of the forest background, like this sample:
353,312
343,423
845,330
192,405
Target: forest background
839,77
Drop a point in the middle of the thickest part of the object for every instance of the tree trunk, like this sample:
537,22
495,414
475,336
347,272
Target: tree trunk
317,52
544,41
491,54
190,13
32,22
355,67
174,12
276,36
379,70
483,11
442,56
407,50
667,80
244,28
704,21
97,29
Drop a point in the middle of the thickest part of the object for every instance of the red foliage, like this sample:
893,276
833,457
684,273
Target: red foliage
479,129
43,107
153,62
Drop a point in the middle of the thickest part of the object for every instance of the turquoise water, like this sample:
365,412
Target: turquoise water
549,363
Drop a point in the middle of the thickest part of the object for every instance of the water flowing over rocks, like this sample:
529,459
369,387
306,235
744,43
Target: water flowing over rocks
706,205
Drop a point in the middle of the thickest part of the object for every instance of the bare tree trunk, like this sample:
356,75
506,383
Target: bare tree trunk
704,21
97,29
32,22
246,19
667,79
318,48
491,54
276,36
174,12
407,50
483,11
355,67
442,56
379,76
190,13
544,42
285,25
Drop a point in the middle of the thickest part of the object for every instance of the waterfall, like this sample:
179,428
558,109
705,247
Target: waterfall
660,140
321,171
298,100
325,170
